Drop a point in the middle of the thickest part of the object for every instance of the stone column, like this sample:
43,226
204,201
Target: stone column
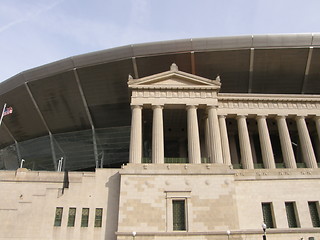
265,143
317,122
207,140
286,145
194,154
214,133
244,141
305,141
157,135
135,154
224,140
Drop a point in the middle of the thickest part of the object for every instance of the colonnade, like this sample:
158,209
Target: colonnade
216,138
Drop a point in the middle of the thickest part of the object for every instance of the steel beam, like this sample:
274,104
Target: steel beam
251,70
306,73
85,104
135,67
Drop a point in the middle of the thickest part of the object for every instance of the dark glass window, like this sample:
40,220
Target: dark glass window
85,217
314,214
71,217
58,217
291,214
267,214
179,215
98,218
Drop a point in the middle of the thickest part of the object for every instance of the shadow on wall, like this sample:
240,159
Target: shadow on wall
112,214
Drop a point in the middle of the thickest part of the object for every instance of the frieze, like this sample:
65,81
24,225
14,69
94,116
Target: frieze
173,94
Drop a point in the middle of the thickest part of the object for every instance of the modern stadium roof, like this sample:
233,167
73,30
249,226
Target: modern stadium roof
90,90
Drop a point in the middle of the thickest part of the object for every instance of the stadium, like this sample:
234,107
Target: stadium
187,139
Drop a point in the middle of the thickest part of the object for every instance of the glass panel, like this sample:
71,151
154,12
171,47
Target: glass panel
37,154
85,217
291,215
267,215
314,214
71,217
98,218
58,217
179,215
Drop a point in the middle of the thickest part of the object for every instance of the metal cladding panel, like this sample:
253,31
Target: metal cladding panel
106,91
279,70
312,84
201,44
156,64
162,47
316,39
60,103
285,40
106,83
11,83
112,115
48,69
5,138
232,66
24,123
103,56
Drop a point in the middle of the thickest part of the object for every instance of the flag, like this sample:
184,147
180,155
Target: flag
7,111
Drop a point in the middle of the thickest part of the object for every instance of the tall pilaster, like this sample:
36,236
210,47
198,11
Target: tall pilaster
265,143
194,154
224,140
157,135
305,141
244,141
135,153
285,141
214,133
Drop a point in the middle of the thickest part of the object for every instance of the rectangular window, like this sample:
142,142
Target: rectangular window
267,212
179,215
71,217
58,217
98,218
291,214
314,213
85,217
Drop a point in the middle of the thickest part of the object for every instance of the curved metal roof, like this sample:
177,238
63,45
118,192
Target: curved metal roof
88,90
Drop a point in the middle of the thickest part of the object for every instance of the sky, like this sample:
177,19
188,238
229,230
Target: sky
36,32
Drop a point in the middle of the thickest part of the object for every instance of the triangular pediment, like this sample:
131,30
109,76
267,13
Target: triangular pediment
173,79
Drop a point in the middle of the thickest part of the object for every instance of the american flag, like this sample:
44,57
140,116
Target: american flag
7,111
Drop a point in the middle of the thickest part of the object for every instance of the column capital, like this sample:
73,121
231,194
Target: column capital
261,116
241,116
222,116
157,106
136,106
211,106
300,117
281,116
191,107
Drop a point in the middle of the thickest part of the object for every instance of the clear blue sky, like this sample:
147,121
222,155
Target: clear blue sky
36,32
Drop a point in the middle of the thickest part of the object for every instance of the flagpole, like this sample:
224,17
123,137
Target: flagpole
4,108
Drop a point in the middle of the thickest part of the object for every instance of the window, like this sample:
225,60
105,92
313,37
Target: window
85,217
58,217
98,218
291,214
314,213
179,215
71,217
267,214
